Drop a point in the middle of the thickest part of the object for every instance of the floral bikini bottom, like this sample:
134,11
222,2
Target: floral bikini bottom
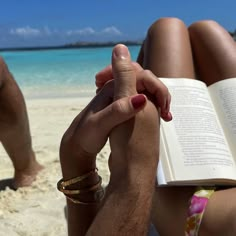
198,204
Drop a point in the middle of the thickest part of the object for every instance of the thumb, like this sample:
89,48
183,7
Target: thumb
123,72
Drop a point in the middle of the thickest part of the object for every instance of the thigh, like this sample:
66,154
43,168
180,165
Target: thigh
214,51
167,51
220,214
169,209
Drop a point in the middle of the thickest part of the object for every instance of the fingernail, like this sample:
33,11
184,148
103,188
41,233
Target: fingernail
167,116
170,116
138,101
121,51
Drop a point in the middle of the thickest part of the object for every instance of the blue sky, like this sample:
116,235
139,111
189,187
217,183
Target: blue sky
56,22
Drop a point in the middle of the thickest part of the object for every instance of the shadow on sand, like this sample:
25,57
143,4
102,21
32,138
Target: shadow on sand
6,183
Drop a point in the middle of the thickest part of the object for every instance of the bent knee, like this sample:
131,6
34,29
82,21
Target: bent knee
200,26
3,65
166,23
3,69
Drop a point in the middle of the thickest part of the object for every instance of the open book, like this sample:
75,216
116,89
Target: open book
198,147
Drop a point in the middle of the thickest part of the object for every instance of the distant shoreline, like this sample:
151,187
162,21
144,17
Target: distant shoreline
73,45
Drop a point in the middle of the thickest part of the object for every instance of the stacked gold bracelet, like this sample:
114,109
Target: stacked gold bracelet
96,190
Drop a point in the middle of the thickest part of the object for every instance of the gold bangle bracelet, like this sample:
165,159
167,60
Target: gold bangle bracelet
79,191
97,195
96,190
64,183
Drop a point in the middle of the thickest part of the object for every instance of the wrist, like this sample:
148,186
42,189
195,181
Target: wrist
134,175
85,189
72,171
74,159
133,166
76,165
137,186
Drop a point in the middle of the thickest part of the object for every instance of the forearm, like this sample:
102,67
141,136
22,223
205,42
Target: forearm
80,216
127,206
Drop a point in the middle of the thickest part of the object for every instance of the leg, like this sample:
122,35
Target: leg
14,130
170,204
215,58
167,53
140,55
214,51
220,213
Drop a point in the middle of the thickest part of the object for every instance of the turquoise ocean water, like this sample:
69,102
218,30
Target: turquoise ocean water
59,73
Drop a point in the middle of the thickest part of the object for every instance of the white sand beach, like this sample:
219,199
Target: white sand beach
39,210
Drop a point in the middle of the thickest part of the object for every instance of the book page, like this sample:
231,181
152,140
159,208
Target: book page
161,179
164,171
194,139
223,95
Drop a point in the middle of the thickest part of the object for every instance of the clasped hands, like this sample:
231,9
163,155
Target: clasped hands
126,110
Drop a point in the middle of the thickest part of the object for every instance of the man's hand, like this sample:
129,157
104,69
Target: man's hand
135,152
146,83
134,143
89,131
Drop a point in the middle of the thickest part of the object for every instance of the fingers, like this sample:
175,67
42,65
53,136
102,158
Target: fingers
123,72
99,117
119,111
95,128
148,82
103,76
103,99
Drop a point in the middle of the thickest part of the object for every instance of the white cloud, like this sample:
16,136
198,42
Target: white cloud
25,31
85,31
112,30
45,32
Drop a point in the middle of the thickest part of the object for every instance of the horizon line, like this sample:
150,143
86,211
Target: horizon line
75,45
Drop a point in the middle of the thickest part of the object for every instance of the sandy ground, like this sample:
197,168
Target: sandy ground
39,210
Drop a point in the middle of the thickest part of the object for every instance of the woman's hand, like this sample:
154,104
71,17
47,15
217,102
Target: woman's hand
134,145
146,83
89,131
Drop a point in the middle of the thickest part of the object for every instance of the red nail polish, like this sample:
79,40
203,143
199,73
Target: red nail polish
138,101
170,116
